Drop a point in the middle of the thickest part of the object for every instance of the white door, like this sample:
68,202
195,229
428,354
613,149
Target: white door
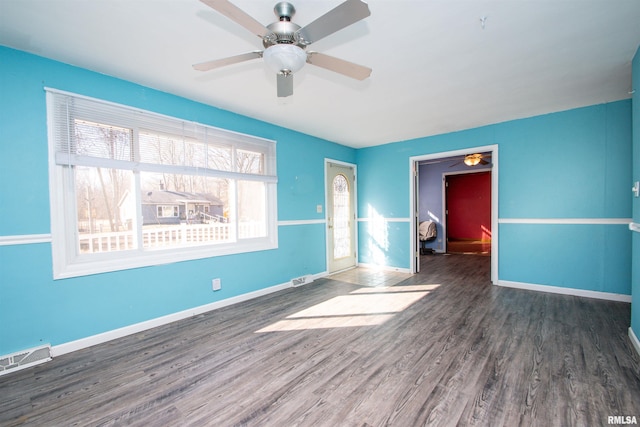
341,217
416,216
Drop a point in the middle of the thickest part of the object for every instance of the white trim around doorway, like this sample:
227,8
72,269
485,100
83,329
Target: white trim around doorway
413,161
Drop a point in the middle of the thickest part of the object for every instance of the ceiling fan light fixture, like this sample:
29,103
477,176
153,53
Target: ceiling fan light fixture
285,58
472,159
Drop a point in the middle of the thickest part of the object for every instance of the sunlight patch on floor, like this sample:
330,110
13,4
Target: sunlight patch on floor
362,307
370,277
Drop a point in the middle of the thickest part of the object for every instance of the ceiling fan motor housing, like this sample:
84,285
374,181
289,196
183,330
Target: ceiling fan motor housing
284,31
284,34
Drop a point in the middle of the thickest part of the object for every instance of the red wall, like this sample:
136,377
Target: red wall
469,206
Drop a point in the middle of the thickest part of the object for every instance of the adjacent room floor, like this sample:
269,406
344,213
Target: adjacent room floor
478,247
443,347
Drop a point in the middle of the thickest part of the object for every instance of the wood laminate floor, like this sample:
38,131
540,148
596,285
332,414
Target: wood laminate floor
443,347
469,247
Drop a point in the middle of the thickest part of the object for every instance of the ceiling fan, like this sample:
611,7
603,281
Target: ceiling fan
285,42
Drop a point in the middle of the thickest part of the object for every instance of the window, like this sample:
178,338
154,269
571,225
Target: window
341,217
167,211
130,188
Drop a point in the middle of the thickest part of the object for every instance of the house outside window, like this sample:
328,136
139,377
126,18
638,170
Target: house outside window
131,188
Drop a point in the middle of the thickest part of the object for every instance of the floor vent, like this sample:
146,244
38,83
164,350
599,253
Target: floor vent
299,281
24,359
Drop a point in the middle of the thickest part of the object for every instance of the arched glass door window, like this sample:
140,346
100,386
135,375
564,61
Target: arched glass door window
341,217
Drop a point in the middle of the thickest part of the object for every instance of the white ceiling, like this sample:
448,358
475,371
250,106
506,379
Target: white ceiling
435,68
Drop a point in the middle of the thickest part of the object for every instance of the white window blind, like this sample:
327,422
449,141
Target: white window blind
80,123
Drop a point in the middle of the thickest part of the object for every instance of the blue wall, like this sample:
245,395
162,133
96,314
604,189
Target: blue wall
580,169
585,173
41,310
635,302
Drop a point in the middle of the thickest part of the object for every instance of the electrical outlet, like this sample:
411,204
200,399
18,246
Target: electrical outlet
319,208
215,284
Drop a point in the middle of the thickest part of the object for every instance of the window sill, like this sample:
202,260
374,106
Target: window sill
105,263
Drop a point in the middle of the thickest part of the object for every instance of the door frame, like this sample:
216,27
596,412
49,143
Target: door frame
328,250
413,174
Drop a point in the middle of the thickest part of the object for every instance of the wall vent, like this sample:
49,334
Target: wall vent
23,359
303,280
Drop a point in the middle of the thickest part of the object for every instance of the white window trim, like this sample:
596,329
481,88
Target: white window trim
66,262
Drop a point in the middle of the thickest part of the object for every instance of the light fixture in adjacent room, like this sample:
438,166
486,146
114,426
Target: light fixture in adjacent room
285,58
472,159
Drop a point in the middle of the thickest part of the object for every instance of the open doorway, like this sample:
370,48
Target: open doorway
467,212
428,172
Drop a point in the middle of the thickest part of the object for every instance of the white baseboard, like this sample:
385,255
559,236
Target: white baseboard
82,343
634,340
565,291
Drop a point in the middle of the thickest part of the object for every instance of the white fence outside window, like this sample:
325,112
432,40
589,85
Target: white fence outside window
167,236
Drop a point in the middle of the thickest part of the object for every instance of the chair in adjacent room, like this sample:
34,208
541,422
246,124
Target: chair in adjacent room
427,232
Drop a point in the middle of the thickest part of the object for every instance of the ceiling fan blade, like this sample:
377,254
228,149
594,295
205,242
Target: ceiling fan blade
337,65
217,63
347,13
285,85
483,162
239,16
